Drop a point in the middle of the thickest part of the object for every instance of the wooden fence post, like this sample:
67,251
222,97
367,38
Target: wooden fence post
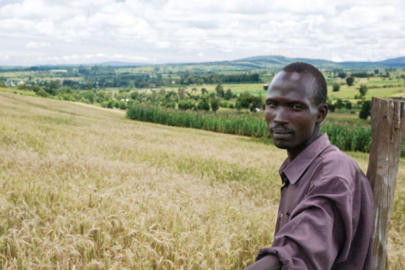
387,128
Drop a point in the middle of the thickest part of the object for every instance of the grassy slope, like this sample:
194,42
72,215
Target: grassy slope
87,187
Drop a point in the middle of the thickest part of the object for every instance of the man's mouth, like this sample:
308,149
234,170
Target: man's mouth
280,133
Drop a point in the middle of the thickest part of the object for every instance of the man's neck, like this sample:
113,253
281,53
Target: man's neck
293,153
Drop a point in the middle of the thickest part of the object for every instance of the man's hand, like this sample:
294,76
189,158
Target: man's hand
269,262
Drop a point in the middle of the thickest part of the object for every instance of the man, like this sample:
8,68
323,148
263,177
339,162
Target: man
325,214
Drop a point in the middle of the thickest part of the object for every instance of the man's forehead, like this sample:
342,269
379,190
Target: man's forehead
303,77
292,84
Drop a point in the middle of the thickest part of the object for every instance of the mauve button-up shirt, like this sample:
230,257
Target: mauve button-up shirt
325,216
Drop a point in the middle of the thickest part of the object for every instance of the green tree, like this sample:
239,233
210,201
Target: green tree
336,87
42,93
89,85
110,104
331,106
214,105
348,104
134,95
181,93
350,81
123,105
100,96
204,103
52,88
339,104
89,95
238,105
342,75
35,88
246,99
363,90
220,90
365,111
185,105
228,94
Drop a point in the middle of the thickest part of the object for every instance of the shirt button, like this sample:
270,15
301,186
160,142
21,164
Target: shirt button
281,215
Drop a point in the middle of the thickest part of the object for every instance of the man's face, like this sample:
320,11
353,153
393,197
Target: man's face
291,114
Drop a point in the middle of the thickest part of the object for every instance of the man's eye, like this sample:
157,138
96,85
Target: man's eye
297,107
271,104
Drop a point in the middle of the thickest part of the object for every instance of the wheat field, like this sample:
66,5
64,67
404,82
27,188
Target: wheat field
86,188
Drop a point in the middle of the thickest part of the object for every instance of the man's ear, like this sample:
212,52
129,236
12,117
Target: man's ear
322,113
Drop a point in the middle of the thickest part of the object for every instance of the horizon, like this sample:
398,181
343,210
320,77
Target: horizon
45,32
186,63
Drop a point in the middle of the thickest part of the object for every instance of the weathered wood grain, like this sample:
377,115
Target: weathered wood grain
387,125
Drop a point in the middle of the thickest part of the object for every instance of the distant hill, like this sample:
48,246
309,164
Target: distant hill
278,61
245,64
120,64
394,61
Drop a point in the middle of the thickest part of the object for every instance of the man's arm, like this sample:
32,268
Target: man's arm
320,229
269,262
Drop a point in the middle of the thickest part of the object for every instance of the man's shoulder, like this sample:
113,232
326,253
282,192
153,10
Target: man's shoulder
336,164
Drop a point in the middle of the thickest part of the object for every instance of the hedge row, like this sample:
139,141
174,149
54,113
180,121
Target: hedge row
345,137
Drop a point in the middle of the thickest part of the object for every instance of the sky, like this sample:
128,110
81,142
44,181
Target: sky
39,32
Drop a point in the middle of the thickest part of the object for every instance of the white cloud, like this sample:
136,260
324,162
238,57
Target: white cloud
37,45
92,58
178,30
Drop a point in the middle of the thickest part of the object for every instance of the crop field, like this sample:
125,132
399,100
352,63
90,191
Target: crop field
84,187
376,87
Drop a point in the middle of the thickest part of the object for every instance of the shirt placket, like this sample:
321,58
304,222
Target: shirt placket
283,205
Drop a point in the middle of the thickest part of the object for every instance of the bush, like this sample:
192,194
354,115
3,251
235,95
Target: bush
203,105
336,87
238,124
363,90
346,138
123,105
350,81
68,97
342,75
228,94
42,93
331,107
186,105
214,105
219,89
169,104
365,111
339,104
348,105
22,87
238,105
134,95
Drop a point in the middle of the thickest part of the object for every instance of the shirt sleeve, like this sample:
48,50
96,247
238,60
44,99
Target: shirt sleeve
319,231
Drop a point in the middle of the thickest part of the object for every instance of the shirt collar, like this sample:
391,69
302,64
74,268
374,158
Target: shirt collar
292,170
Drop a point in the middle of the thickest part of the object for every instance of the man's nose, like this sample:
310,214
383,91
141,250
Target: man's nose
281,116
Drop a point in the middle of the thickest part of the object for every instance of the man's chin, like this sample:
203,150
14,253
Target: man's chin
282,144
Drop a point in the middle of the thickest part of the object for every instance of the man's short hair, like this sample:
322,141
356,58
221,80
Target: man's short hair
321,91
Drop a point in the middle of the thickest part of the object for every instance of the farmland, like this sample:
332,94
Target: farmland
86,188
